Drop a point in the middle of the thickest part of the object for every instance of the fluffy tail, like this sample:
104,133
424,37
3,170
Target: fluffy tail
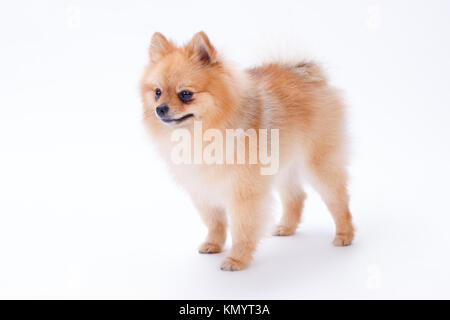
309,71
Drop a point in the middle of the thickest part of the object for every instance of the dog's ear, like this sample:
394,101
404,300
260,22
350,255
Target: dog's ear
201,48
159,47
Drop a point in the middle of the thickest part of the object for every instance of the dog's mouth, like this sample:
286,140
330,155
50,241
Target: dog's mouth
177,120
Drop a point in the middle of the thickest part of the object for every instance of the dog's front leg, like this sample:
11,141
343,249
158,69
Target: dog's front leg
216,222
247,223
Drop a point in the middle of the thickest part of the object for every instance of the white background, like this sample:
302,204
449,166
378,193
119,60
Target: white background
88,210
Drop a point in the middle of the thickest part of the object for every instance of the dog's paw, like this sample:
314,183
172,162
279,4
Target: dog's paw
208,248
343,239
281,230
231,264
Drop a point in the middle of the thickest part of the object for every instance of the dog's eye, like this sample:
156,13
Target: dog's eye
157,93
185,95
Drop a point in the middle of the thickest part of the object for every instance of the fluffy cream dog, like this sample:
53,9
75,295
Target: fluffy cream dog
193,82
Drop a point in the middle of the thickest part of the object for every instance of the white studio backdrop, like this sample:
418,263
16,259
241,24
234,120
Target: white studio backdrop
88,210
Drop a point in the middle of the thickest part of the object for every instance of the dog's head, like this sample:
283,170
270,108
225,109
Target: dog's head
182,84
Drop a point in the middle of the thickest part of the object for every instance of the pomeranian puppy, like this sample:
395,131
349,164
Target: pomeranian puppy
184,86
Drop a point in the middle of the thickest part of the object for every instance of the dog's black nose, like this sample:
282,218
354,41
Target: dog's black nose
162,110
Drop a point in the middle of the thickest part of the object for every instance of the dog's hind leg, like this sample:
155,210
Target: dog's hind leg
329,178
292,197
